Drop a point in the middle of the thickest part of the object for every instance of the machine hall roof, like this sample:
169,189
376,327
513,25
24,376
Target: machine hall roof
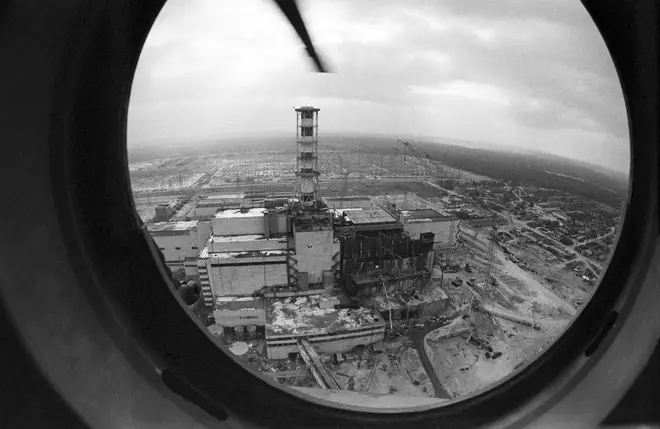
424,215
162,228
204,254
350,201
371,216
238,213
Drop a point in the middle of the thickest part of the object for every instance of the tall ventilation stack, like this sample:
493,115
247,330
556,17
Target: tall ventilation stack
307,162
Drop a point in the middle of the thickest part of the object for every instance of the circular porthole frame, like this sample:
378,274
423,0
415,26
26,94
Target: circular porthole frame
97,322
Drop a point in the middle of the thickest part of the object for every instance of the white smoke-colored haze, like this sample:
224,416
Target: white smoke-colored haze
533,75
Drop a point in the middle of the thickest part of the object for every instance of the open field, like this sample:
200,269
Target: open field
365,155
463,367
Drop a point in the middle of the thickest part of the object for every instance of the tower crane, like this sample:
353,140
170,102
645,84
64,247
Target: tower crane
415,153
488,279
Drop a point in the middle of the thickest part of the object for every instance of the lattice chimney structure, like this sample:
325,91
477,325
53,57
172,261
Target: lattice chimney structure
307,162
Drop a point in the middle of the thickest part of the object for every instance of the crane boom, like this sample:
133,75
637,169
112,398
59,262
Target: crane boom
413,151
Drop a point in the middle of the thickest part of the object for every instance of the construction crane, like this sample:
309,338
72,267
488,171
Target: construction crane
433,173
488,280
415,153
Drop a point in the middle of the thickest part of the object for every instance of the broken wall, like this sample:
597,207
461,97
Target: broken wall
441,230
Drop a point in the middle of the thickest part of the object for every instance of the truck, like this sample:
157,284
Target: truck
468,267
472,281
457,282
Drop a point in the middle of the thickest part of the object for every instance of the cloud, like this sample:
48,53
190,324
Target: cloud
483,93
512,72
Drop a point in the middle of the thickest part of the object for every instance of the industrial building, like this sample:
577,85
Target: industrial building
330,271
180,242
208,205
165,211
442,225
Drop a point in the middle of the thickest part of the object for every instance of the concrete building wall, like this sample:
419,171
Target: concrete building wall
245,279
176,266
278,223
441,229
184,244
239,226
203,212
177,248
247,246
204,230
245,316
314,252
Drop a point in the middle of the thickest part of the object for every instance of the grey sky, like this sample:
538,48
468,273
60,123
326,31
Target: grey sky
532,74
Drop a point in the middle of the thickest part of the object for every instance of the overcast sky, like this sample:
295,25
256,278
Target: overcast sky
532,74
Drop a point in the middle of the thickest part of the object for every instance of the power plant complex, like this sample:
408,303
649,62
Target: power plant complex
302,267
371,269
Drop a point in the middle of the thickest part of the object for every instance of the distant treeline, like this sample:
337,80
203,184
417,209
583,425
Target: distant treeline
536,170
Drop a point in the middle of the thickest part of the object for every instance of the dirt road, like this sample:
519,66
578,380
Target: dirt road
417,337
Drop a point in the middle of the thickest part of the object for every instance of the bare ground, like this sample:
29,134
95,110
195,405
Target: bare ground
464,368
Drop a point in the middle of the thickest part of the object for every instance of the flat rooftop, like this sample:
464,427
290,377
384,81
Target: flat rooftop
303,316
204,254
171,226
425,215
238,213
353,202
242,238
339,212
371,216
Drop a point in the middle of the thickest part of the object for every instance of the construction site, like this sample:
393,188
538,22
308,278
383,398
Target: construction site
373,279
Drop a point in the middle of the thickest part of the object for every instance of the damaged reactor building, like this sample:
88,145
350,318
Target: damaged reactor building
297,268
